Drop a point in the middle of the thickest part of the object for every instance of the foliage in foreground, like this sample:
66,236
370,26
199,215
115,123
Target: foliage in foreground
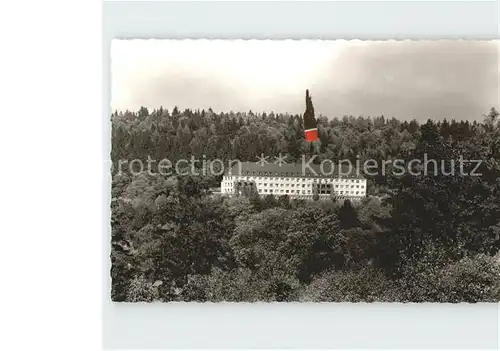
431,238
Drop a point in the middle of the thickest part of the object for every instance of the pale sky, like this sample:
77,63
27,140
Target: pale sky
404,79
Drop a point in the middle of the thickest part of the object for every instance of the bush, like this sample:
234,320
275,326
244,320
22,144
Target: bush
240,285
472,279
360,285
141,290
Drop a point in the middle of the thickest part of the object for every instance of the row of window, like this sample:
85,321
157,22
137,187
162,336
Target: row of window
229,184
342,186
277,174
331,180
286,191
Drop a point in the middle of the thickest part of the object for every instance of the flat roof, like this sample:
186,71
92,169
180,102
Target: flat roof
328,170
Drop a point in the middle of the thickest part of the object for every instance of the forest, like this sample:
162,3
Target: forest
433,238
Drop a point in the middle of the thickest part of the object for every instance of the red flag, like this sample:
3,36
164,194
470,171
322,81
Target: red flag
311,134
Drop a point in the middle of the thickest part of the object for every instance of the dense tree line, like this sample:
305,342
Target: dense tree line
429,238
244,136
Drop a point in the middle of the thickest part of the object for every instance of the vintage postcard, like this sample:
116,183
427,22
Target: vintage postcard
305,171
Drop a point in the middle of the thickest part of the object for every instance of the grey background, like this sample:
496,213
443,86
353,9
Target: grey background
264,325
437,79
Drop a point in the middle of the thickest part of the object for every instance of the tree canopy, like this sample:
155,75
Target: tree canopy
414,238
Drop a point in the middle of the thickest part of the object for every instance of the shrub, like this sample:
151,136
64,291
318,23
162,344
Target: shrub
141,290
471,279
240,285
365,284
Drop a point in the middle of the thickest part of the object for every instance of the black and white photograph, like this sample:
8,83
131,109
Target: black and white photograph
305,171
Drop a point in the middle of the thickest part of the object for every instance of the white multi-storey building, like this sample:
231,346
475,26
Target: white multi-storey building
293,180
